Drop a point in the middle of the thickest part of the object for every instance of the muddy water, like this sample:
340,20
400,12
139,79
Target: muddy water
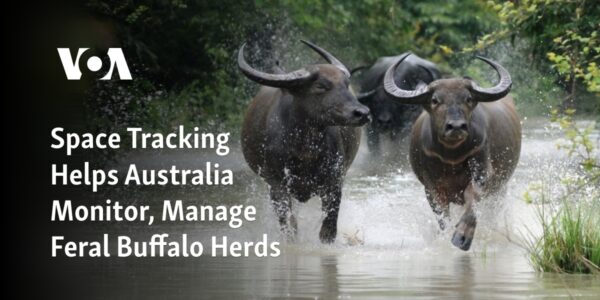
384,207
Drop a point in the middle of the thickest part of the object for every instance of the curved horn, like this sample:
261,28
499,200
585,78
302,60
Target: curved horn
367,94
288,80
358,69
431,74
418,96
494,93
328,57
361,96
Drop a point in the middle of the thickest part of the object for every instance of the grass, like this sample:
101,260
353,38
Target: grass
570,241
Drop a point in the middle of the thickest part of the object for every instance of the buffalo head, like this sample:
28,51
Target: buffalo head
449,102
321,92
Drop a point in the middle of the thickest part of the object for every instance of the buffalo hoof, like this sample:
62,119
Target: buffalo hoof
327,235
461,241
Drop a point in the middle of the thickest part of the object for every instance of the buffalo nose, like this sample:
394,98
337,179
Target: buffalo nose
456,125
362,112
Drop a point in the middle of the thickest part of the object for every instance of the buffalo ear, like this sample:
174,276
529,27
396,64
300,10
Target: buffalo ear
467,78
421,85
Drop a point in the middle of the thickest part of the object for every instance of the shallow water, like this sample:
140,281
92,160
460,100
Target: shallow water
384,206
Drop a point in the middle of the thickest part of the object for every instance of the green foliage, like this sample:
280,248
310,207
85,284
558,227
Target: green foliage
184,48
579,144
177,42
365,30
562,35
570,241
184,51
577,57
565,32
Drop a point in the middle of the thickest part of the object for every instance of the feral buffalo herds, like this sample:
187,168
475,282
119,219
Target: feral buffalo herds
300,134
388,116
465,145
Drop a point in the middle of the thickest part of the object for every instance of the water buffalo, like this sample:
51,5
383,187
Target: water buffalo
300,134
465,145
390,117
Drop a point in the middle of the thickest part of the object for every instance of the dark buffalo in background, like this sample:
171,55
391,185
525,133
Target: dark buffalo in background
388,116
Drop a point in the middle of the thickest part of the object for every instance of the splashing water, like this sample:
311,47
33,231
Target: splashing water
402,253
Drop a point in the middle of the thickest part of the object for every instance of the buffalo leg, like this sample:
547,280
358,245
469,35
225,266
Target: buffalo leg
440,207
465,229
481,171
282,204
331,206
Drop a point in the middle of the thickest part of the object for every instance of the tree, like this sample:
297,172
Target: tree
565,32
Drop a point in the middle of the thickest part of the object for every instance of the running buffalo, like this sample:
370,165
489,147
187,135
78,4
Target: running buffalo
300,133
465,145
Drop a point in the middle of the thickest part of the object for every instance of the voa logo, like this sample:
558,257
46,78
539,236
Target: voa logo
94,63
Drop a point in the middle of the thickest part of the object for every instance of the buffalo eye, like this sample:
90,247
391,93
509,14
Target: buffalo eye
435,101
469,100
321,87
